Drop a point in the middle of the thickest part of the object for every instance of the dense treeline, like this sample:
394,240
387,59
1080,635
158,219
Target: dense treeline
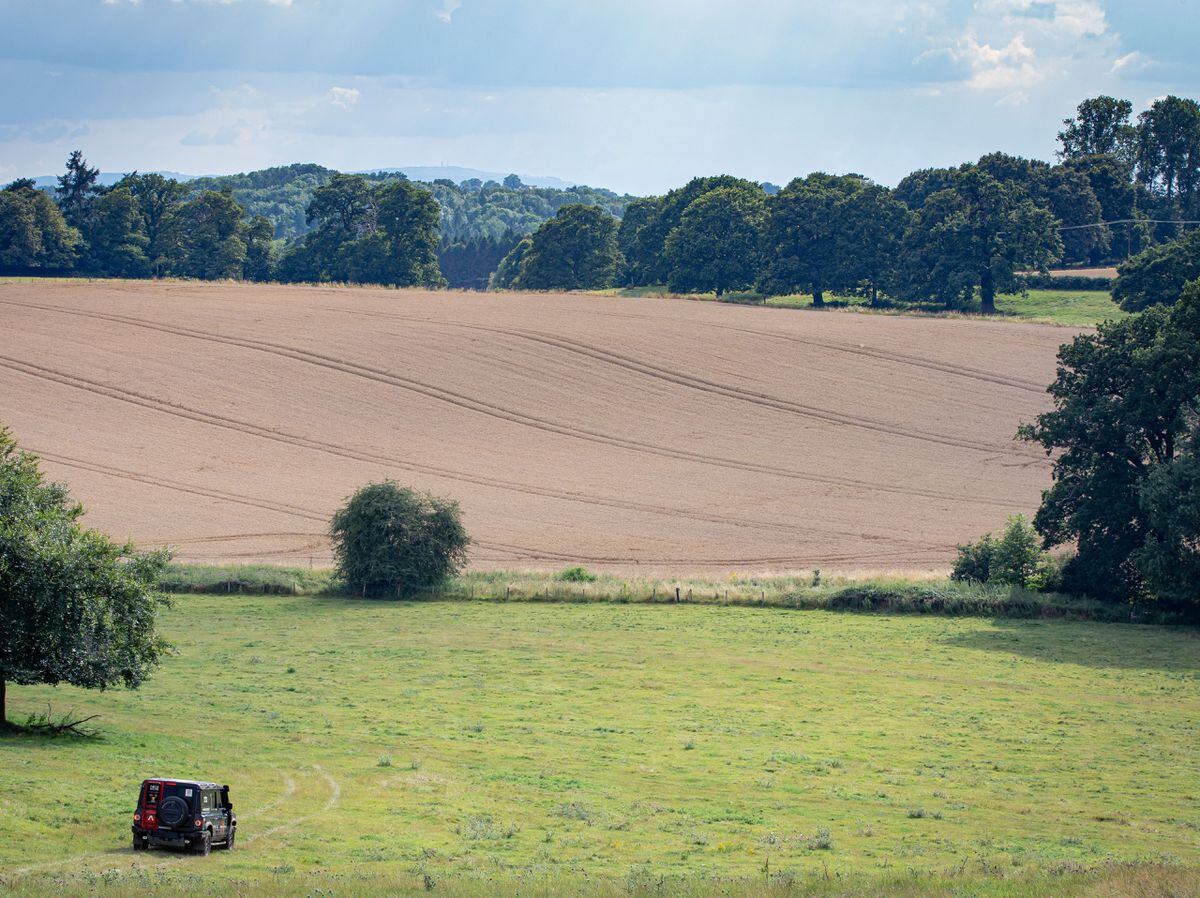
471,211
950,236
142,226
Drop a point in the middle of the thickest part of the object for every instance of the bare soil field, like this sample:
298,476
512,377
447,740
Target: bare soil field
639,435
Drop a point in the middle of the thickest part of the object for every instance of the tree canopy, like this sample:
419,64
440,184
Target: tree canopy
974,235
1123,434
74,606
1157,275
34,235
716,244
389,540
575,250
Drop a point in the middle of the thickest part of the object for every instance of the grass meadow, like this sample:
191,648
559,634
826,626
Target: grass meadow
1067,308
475,748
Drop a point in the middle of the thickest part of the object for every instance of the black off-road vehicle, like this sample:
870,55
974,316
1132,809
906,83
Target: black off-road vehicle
186,814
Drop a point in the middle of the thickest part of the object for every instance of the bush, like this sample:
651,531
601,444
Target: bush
1015,559
391,540
577,575
1065,282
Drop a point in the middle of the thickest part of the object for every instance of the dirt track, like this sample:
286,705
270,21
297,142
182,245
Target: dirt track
646,435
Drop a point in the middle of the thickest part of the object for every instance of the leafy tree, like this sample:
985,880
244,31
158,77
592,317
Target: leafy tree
1168,149
513,182
509,270
407,219
648,263
1101,126
975,235
209,238
1070,198
391,540
716,244
260,250
575,250
115,240
1169,559
914,189
74,607
806,234
1157,275
1065,192
871,224
1015,559
34,236
1126,401
1111,180
638,215
158,199
75,189
370,234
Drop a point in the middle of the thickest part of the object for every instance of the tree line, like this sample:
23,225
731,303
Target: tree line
943,235
142,226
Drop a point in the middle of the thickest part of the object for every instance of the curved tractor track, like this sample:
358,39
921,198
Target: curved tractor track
633,435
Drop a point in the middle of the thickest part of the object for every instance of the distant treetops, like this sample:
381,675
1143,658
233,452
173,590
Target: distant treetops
948,237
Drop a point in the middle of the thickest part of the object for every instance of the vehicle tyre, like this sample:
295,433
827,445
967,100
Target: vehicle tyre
140,844
204,846
229,839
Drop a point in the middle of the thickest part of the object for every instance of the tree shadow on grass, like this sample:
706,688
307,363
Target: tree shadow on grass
1096,645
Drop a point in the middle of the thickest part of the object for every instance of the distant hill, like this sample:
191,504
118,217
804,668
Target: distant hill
476,210
475,204
455,173
458,175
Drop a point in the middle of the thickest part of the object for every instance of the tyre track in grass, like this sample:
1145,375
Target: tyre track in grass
518,552
679,378
545,425
338,450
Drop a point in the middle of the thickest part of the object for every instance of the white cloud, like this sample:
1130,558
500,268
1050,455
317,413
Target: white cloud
446,12
344,97
1007,68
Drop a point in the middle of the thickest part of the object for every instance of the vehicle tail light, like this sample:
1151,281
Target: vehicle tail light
199,823
137,817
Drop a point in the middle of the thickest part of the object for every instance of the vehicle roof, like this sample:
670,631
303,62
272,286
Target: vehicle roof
183,780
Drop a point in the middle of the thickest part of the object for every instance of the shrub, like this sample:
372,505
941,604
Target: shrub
1015,559
391,540
1065,282
577,575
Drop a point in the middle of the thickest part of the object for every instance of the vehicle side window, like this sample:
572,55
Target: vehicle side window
207,802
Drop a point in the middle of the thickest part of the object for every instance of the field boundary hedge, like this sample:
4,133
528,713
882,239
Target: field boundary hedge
883,596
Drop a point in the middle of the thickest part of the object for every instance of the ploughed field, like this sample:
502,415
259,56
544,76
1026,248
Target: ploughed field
628,434
471,741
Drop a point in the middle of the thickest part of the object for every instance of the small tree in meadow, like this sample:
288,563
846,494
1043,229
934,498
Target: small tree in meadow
1014,559
390,540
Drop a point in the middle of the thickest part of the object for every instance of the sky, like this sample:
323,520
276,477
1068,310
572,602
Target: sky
634,95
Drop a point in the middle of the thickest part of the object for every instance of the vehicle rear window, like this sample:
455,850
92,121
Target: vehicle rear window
157,793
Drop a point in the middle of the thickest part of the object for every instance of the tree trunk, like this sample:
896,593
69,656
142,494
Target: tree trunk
3,716
818,298
987,293
874,296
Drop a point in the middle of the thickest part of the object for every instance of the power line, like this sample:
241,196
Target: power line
1098,224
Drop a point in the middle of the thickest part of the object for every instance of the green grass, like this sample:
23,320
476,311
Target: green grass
595,747
899,593
1069,308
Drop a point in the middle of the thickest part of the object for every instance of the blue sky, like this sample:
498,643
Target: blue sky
637,95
